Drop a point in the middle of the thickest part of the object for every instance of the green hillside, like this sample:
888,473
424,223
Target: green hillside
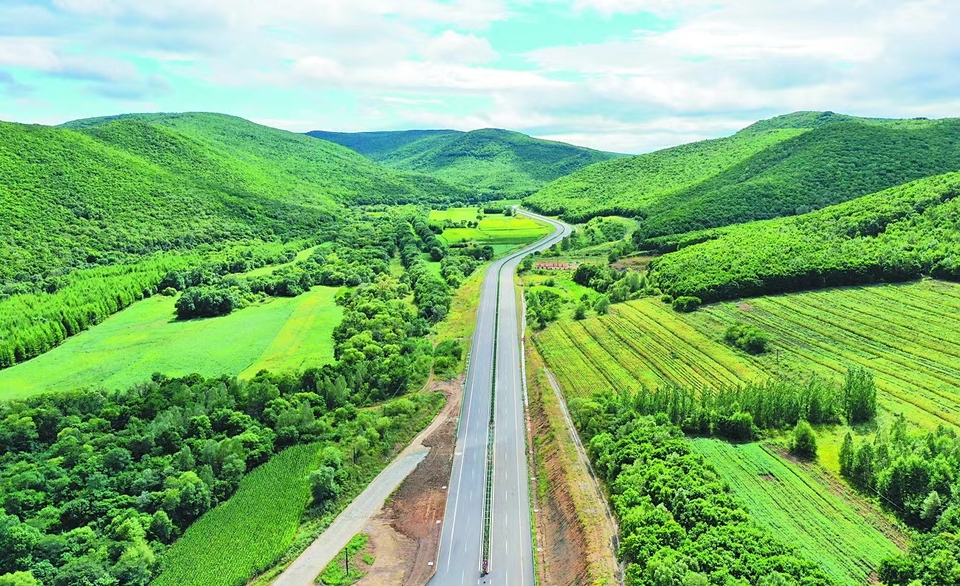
495,163
630,185
899,234
102,191
829,165
778,167
378,145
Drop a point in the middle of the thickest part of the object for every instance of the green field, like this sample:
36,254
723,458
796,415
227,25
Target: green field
246,534
904,334
824,520
642,343
493,229
282,333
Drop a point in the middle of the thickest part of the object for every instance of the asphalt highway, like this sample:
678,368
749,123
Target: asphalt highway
510,560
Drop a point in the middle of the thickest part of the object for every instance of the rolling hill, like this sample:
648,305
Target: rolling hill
97,191
899,234
778,167
492,162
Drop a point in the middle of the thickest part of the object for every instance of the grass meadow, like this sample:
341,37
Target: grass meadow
824,520
493,229
279,334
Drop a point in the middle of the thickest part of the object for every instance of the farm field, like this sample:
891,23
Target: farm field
639,344
493,229
826,522
246,534
904,334
282,333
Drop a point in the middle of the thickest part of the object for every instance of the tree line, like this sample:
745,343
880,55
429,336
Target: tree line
740,413
898,235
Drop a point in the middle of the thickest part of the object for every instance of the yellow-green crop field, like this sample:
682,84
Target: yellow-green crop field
906,335
493,229
279,334
825,520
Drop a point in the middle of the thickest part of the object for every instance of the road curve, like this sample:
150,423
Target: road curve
510,561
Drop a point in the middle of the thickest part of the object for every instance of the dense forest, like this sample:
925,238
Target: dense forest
900,234
491,162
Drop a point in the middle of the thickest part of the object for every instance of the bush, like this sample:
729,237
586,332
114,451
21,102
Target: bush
169,292
602,305
803,444
748,338
580,312
666,298
686,304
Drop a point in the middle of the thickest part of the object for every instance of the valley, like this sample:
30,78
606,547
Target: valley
215,334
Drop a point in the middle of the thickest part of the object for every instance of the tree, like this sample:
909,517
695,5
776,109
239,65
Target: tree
323,485
859,395
580,312
18,579
804,442
847,455
602,305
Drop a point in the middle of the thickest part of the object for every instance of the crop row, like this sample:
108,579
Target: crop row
904,334
846,543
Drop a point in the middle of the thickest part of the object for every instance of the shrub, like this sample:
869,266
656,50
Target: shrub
748,338
666,298
686,304
803,443
169,292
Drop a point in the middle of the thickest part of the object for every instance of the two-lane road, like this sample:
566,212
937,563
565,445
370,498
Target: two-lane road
511,549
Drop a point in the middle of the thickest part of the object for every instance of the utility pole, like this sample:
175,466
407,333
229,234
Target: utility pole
346,560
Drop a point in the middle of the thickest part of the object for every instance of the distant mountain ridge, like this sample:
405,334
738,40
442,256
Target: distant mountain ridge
783,166
492,162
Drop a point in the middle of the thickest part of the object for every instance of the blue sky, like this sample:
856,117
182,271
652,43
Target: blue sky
623,75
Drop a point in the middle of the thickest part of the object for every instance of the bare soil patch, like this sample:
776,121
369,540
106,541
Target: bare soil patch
406,532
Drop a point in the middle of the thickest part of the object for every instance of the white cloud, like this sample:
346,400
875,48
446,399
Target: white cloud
431,62
453,47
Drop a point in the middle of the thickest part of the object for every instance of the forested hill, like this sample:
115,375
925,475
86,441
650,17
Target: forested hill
784,166
379,145
899,234
497,163
98,191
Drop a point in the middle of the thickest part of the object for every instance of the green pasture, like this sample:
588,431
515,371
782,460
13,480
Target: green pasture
493,229
826,521
279,334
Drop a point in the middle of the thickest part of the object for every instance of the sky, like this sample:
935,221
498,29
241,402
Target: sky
618,75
